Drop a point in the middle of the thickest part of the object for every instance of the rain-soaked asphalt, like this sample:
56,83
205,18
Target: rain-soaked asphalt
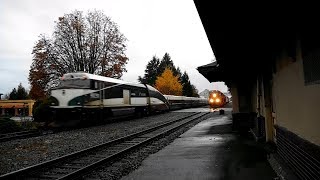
209,150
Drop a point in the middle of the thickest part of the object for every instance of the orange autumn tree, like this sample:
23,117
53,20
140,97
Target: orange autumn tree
168,84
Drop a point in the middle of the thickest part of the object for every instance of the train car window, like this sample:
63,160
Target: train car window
94,84
138,92
134,92
113,92
108,84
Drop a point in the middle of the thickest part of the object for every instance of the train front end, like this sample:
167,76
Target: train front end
217,99
69,98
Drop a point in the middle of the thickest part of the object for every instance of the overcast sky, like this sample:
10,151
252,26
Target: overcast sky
152,27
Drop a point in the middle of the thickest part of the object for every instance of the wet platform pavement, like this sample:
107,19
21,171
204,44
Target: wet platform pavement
209,150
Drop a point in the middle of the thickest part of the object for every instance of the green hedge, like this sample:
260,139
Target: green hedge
7,126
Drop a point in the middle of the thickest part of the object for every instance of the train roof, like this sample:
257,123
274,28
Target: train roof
215,91
173,97
99,78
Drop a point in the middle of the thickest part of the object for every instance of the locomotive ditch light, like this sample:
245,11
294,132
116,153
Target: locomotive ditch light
218,100
211,100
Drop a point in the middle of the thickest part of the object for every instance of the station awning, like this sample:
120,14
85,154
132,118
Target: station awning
13,105
248,40
16,103
211,71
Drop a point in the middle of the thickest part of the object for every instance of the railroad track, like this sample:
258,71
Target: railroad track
79,163
19,135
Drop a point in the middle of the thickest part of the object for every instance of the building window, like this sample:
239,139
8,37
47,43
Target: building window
311,68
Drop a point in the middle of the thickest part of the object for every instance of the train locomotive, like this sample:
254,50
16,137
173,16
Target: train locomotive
83,96
217,99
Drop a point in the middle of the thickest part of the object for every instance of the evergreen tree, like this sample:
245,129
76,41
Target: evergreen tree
155,68
166,62
186,89
195,92
13,94
19,94
151,72
177,72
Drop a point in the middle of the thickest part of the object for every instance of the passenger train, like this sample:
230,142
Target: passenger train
217,99
91,97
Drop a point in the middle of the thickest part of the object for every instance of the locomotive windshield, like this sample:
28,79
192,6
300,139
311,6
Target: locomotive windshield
74,83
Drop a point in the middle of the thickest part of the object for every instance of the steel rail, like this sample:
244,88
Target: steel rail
35,169
18,135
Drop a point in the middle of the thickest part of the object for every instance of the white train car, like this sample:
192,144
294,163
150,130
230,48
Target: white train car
179,102
89,97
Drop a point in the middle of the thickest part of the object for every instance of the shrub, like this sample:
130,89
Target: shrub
7,126
41,111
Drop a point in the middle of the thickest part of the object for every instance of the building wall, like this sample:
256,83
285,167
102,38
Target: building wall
296,105
235,99
254,98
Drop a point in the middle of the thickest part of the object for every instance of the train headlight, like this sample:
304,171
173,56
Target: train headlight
53,101
214,95
218,100
211,100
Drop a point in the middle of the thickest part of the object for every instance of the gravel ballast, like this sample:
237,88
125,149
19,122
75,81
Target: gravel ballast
21,153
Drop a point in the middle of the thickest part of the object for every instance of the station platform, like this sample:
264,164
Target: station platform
209,150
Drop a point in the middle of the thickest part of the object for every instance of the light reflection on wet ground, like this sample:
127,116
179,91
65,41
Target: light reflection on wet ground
204,109
209,150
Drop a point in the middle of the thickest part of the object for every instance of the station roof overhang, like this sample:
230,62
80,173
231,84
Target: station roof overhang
211,71
246,40
16,103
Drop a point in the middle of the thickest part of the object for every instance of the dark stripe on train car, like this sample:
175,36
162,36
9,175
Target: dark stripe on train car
116,92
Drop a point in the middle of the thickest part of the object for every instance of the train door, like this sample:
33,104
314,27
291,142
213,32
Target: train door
148,100
101,95
126,97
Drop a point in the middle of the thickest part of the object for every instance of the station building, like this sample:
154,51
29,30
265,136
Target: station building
16,107
270,59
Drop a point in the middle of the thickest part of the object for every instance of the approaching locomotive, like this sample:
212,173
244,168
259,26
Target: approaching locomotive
83,96
217,99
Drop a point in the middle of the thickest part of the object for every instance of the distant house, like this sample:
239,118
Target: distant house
204,93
